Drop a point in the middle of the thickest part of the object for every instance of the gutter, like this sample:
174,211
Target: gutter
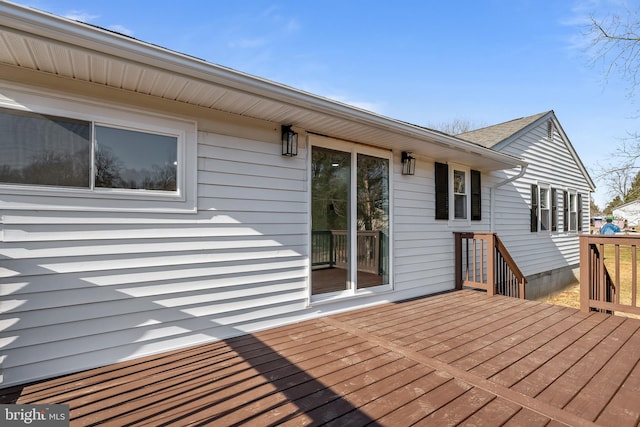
94,39
523,169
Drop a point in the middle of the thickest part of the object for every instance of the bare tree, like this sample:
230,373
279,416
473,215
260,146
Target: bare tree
615,41
617,178
455,126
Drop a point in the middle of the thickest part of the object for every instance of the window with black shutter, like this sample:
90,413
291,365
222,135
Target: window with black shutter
565,209
442,190
554,210
579,212
476,196
534,208
464,192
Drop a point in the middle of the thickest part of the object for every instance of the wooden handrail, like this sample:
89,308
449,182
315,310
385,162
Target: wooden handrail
608,273
483,262
511,274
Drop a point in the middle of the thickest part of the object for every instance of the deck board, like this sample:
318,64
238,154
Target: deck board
539,352
487,334
607,383
458,358
561,391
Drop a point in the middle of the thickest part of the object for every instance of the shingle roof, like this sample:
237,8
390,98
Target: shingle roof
491,135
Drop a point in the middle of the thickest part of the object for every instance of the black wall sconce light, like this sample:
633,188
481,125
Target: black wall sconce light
408,163
289,142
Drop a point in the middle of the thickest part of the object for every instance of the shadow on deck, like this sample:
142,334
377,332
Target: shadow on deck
456,358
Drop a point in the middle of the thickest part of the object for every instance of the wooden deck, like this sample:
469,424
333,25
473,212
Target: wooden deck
455,358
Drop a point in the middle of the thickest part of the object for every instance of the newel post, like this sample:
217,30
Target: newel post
458,264
491,264
585,270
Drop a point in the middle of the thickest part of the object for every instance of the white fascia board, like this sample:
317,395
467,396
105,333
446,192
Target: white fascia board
85,36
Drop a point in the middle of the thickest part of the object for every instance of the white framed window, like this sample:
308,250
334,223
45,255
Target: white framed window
43,150
458,193
94,157
134,160
546,202
461,200
543,208
572,211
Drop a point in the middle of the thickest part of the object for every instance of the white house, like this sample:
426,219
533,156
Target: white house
629,212
549,199
146,205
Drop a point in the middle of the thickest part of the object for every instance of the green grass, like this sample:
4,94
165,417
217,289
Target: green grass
624,282
570,296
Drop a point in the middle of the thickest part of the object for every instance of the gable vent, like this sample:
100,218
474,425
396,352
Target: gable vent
550,130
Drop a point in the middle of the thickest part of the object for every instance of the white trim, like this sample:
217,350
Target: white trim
58,198
79,35
547,187
453,221
572,192
353,149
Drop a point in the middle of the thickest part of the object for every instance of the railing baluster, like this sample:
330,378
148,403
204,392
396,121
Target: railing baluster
634,276
493,268
467,259
477,254
598,289
616,295
601,278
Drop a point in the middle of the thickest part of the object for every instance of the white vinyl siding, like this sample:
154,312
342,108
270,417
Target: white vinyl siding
551,163
83,289
87,283
423,246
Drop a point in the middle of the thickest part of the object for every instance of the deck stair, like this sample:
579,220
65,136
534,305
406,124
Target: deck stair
483,262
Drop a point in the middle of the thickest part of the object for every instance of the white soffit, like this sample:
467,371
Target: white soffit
49,44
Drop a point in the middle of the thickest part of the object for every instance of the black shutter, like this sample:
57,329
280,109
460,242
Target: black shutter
442,191
476,196
579,219
554,210
534,208
565,209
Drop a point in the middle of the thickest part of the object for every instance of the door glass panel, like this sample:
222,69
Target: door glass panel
372,221
330,182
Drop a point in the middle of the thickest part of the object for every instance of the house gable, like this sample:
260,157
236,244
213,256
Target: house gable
499,137
540,213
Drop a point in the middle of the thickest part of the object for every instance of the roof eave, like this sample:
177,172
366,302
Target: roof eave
80,35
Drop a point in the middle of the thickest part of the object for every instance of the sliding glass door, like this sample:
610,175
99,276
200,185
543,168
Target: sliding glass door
330,249
349,220
372,221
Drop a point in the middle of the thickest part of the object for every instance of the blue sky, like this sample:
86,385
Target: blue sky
424,62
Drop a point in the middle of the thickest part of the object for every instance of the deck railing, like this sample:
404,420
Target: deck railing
483,262
608,273
330,249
